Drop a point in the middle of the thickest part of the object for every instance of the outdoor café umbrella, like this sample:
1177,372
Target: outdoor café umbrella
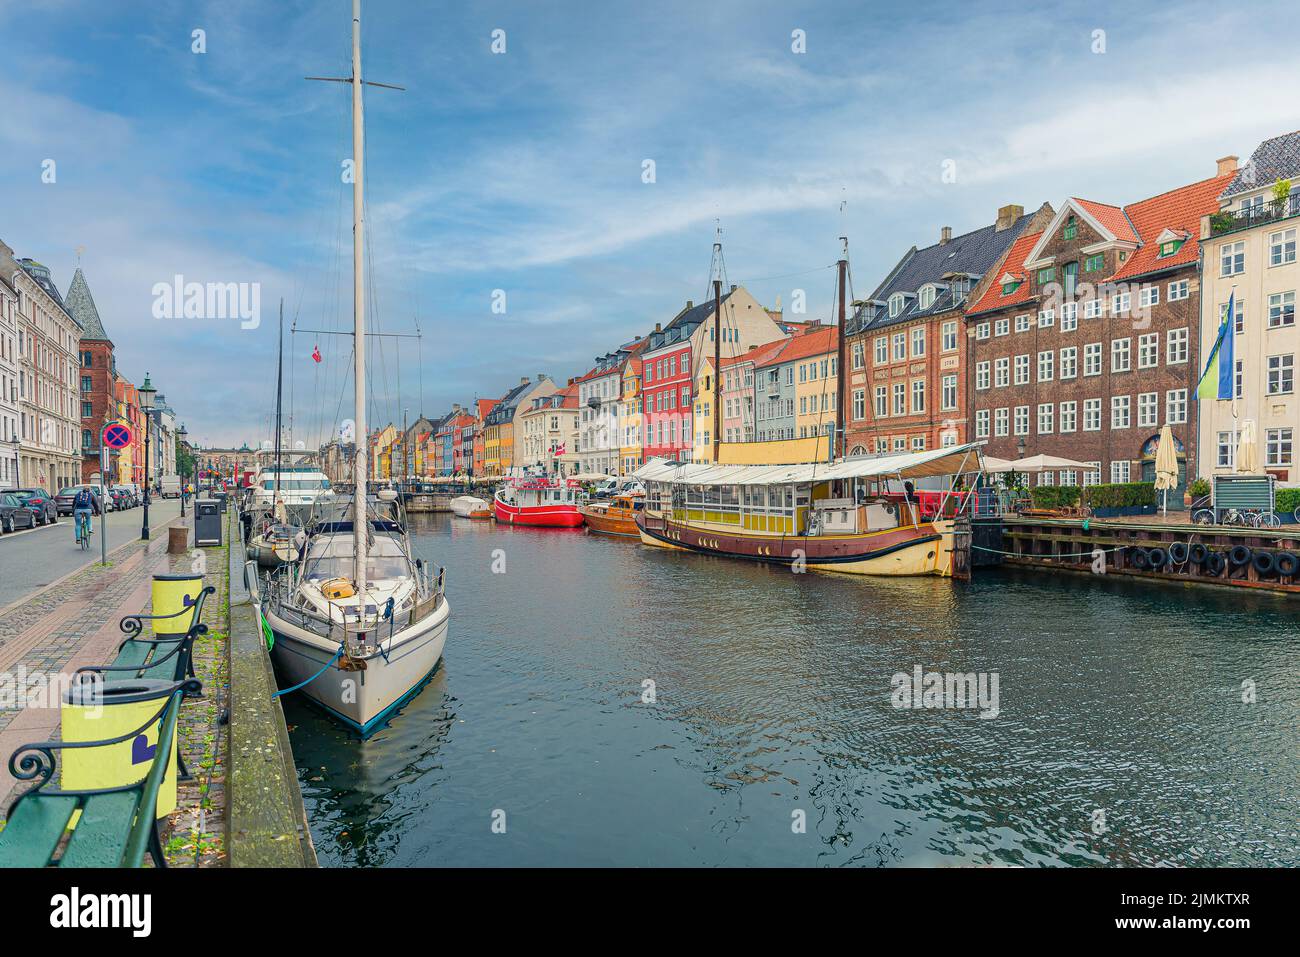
1247,449
1166,465
1042,463
994,464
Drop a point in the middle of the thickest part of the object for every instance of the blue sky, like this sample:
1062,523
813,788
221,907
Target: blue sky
522,171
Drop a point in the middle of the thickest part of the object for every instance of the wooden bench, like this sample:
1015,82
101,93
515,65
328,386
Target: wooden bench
115,826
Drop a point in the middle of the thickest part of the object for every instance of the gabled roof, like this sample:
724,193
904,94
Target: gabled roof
970,254
41,276
484,406
816,342
1016,256
81,307
1112,218
504,409
1179,209
759,355
1274,159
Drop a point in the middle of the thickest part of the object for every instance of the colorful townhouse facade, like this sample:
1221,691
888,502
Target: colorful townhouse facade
549,432
906,346
1249,256
629,417
1087,344
671,359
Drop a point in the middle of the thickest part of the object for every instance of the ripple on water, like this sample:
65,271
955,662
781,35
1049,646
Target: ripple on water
772,697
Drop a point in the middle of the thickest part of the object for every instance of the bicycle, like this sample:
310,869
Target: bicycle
1265,519
83,530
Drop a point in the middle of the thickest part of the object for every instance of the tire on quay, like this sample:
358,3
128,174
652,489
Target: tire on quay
1215,563
1288,563
1157,558
1178,552
1240,556
1264,562
1140,559
1198,553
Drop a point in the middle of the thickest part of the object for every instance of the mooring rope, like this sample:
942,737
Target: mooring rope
337,655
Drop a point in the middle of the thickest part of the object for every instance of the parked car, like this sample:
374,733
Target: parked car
63,501
14,514
39,501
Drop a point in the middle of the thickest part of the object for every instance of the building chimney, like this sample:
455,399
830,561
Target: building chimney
658,327
733,287
945,235
523,380
690,303
1227,164
1007,216
540,377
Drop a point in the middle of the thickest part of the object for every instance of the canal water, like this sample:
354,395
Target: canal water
1121,735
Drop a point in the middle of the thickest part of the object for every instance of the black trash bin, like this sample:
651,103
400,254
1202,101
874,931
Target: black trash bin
207,523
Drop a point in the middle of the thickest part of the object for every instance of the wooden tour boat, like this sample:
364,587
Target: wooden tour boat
858,516
615,517
549,503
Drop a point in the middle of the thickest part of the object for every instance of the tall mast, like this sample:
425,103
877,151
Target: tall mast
840,442
717,345
279,392
360,527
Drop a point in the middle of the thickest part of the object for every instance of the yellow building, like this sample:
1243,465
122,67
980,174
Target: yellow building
1249,251
381,466
629,418
816,380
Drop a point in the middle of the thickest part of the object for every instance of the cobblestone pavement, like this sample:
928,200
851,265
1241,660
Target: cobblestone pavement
75,622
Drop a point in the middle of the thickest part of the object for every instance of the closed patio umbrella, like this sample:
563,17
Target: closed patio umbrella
1247,449
1166,464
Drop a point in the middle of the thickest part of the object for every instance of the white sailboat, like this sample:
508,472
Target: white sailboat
358,622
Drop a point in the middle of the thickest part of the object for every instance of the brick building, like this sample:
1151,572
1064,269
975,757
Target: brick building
98,375
906,349
1086,344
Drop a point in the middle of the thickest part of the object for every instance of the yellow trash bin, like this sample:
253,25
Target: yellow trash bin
172,594
98,711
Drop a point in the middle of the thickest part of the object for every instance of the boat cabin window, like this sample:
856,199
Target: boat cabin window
323,568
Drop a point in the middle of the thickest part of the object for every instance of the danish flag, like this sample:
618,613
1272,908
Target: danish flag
558,450
315,353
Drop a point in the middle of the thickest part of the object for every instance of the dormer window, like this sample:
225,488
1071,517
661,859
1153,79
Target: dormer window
927,296
895,304
1171,247
1009,287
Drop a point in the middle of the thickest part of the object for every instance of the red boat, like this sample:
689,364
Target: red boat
538,501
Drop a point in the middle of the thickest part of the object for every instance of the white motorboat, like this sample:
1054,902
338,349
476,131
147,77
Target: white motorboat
358,623
471,506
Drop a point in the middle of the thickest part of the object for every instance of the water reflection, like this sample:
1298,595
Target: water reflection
772,700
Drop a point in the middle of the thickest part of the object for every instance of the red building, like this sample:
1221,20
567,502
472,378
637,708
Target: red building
98,376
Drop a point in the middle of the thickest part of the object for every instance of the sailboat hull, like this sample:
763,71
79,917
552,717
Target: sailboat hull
365,699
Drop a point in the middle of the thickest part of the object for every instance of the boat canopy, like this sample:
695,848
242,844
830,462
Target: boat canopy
946,461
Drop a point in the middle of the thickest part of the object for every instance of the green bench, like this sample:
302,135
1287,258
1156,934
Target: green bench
115,827
168,655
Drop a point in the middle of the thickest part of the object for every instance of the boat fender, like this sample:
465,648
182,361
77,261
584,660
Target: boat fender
1215,562
1141,559
1239,556
1197,552
1264,562
1178,552
1287,563
1158,558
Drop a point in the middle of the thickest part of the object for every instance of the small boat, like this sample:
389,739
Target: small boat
470,506
550,503
615,517
274,546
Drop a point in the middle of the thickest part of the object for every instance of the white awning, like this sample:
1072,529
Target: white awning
948,461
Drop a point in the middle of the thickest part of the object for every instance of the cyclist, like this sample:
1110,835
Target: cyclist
83,505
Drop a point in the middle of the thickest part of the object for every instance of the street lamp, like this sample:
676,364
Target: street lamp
180,436
147,392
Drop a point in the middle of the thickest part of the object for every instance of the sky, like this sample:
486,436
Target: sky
524,170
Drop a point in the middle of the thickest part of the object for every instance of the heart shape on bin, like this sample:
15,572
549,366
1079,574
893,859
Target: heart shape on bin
142,750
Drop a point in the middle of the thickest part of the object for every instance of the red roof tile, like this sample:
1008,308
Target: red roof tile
1014,264
1112,217
1179,210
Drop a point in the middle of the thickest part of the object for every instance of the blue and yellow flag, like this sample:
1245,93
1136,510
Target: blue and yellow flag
1220,385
